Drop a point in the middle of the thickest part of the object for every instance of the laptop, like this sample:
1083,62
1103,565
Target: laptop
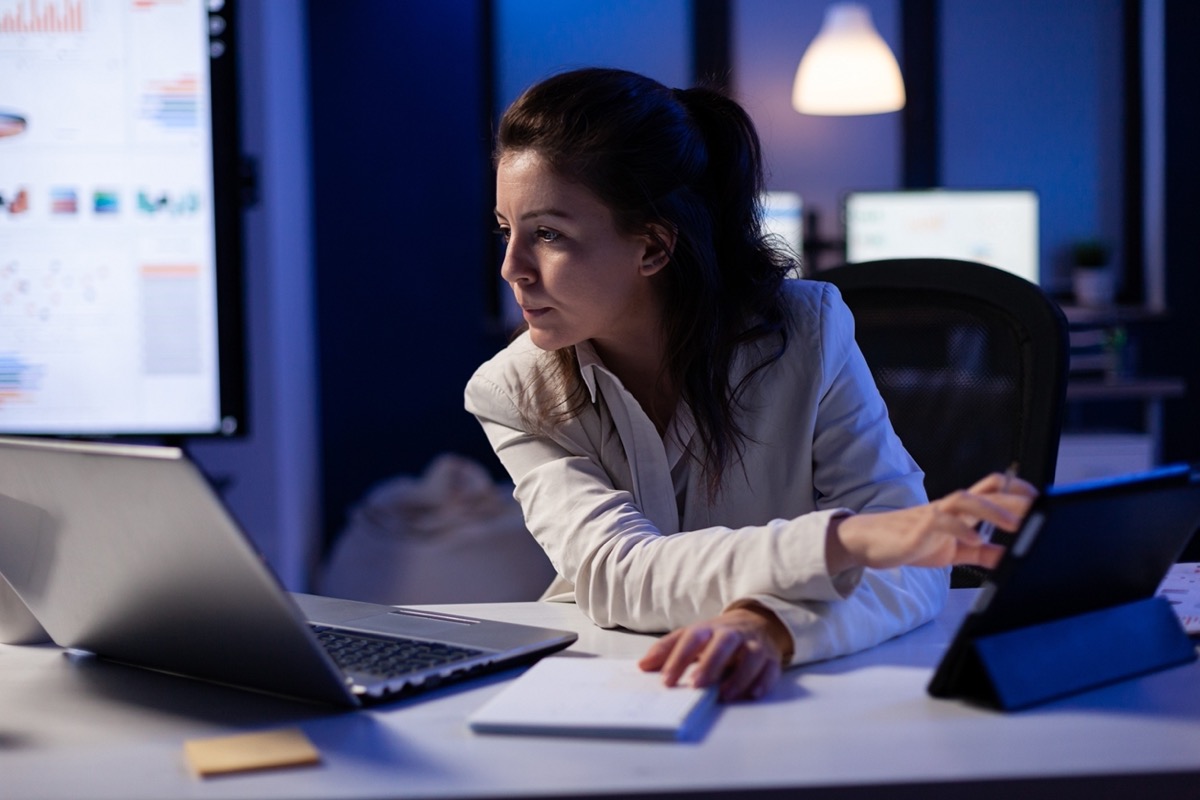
126,552
1086,554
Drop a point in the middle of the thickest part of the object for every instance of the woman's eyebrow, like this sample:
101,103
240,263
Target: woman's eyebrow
541,212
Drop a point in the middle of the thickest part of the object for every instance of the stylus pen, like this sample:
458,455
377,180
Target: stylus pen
986,529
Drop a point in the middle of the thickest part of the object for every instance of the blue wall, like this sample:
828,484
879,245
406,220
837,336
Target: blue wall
1031,97
534,39
400,105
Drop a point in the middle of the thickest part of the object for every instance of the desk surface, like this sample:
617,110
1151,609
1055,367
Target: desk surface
79,728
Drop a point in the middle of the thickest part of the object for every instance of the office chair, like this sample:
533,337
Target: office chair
972,363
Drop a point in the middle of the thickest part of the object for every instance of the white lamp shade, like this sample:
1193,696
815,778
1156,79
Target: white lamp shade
848,68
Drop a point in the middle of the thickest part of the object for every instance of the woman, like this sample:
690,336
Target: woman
696,442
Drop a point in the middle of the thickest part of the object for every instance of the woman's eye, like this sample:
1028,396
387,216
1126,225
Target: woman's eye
543,234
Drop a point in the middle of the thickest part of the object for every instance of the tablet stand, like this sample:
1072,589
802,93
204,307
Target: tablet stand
1032,665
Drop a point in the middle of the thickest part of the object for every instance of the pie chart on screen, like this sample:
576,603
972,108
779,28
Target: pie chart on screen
11,124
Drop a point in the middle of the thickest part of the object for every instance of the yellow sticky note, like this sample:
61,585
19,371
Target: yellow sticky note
249,751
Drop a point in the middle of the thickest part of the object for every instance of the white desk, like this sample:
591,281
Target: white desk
845,728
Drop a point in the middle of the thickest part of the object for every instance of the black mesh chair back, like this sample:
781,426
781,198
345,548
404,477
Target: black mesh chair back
972,363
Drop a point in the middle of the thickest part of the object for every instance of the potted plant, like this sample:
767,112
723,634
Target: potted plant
1091,274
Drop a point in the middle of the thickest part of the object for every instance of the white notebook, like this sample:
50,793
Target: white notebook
595,697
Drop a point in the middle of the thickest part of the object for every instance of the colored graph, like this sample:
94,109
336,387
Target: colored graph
172,104
182,204
32,16
15,202
64,200
106,201
11,124
19,379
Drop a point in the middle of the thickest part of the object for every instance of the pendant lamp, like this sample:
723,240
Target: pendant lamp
848,69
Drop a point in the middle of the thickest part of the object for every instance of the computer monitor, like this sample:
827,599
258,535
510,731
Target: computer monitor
995,227
120,232
783,217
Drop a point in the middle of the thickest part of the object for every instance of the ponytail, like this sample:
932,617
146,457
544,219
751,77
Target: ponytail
733,186
733,179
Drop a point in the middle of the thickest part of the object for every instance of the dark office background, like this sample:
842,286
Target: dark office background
401,98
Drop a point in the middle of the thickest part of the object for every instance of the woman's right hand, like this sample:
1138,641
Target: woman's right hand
937,534
742,651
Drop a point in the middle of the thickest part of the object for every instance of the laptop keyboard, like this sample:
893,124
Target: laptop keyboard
388,657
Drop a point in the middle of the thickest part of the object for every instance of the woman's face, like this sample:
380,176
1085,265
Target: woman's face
575,276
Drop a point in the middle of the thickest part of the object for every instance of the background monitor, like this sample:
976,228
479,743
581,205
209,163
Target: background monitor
120,288
783,216
995,227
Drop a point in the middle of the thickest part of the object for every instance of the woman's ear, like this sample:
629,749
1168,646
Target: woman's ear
660,245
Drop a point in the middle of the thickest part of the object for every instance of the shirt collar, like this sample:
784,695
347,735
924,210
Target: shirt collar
589,363
683,424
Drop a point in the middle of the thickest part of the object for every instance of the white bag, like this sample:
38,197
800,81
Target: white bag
451,536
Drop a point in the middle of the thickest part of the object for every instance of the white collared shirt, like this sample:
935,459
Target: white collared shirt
625,517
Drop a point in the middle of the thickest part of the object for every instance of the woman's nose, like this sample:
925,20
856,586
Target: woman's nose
516,267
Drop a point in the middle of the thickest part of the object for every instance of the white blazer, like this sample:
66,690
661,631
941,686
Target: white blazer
626,519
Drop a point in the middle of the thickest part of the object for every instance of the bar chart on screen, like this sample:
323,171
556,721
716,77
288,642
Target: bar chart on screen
47,16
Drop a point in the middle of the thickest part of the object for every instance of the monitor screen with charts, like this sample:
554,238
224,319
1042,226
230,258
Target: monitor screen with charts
995,227
120,209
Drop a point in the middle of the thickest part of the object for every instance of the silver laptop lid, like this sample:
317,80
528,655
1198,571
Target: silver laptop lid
123,551
18,625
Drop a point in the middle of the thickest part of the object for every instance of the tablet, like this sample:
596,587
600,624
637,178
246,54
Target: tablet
1082,548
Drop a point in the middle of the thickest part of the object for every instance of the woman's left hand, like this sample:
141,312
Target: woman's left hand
741,649
937,534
